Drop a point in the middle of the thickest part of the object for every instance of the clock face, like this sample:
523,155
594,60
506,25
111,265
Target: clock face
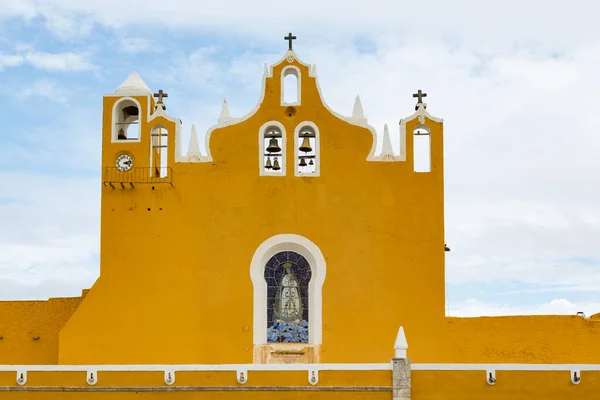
124,162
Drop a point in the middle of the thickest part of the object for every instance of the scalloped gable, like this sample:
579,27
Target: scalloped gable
289,57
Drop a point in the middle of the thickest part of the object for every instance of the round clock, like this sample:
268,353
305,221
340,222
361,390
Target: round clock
124,162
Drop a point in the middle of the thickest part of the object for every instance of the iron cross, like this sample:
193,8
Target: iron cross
289,38
419,95
160,96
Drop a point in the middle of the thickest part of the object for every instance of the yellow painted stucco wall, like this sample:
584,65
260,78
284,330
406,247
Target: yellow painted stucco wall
29,329
175,260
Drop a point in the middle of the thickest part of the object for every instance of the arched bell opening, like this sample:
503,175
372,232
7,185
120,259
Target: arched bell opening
422,148
126,120
290,86
272,149
307,150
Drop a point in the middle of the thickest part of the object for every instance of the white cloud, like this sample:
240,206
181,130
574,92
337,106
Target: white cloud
458,19
59,61
50,232
8,60
136,45
48,61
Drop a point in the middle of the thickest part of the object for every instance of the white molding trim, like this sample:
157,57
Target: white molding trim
261,150
198,367
291,70
312,254
114,118
317,149
295,367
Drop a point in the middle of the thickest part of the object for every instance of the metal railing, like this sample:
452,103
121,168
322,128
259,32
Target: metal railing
137,175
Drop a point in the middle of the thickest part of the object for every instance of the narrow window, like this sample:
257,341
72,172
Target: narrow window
158,152
272,151
288,275
126,121
290,86
306,154
422,149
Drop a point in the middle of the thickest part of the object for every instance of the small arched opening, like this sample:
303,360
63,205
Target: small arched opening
422,148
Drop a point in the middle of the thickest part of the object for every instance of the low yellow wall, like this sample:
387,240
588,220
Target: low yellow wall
510,385
20,321
371,385
545,339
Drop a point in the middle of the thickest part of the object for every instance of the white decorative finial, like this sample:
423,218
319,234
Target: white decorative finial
193,152
358,115
266,71
386,147
224,117
401,344
358,111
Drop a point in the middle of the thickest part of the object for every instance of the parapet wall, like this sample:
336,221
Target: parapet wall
30,329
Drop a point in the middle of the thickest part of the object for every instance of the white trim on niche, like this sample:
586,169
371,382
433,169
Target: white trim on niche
312,254
422,115
317,149
292,70
261,150
114,131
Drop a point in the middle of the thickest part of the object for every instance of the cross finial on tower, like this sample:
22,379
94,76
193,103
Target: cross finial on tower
160,96
289,38
419,95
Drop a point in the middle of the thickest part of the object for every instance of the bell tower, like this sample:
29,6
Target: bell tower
138,138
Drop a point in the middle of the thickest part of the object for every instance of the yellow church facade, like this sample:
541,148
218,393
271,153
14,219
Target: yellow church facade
288,260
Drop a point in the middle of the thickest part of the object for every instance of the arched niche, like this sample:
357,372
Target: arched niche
312,254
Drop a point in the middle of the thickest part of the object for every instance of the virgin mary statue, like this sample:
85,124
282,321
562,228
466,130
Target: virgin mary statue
288,305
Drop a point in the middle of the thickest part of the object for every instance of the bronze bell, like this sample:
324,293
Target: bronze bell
302,162
311,162
273,146
305,146
276,166
122,134
268,164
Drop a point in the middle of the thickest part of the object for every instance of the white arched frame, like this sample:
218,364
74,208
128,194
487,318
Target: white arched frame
261,150
312,254
317,148
115,118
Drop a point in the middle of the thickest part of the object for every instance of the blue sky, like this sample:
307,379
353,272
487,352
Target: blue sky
517,91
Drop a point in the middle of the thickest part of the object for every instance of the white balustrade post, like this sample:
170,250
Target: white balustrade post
401,381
